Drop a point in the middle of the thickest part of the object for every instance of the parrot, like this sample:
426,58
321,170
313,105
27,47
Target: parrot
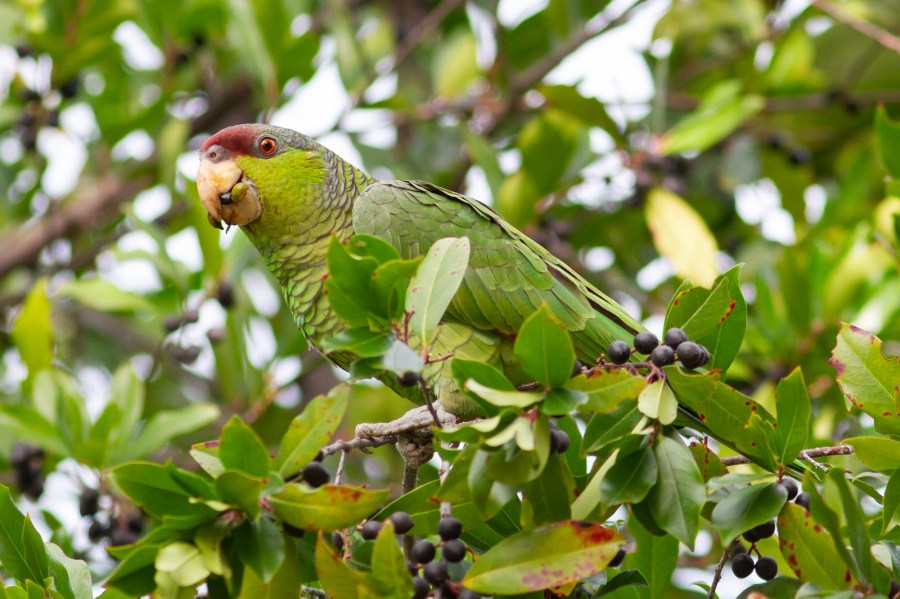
290,195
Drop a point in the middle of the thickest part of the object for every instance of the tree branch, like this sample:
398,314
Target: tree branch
870,30
806,454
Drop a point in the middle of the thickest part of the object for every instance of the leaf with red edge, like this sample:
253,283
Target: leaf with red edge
869,379
810,550
570,550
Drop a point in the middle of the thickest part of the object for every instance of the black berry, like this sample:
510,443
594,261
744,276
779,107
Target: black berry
435,572
803,500
736,549
122,536
402,522
645,343
663,355
690,354
449,528
97,530
370,530
453,551
766,568
742,565
895,589
765,530
337,539
423,552
172,323
674,337
408,379
420,587
559,441
24,50
617,559
89,502
69,88
292,531
618,352
135,523
315,474
750,536
225,294
791,486
468,594
706,356
412,567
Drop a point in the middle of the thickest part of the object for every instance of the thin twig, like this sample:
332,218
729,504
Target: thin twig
717,575
806,455
339,473
358,443
870,30
429,401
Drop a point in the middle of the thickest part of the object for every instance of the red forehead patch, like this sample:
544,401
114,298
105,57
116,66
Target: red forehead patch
236,140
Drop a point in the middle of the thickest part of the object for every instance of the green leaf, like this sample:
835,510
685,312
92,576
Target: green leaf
878,453
604,429
570,551
888,137
311,429
655,558
630,478
390,282
891,515
607,389
22,551
32,331
550,495
679,493
455,67
260,545
327,508
389,564
709,463
794,412
621,580
724,341
151,487
590,110
242,489
503,399
657,401
348,284
72,577
401,358
103,296
166,425
698,310
868,379
336,577
810,550
361,342
127,392
183,562
434,285
870,570
723,109
681,235
241,449
544,348
747,507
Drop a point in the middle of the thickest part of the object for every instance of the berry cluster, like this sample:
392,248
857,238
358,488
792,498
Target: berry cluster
742,563
28,465
434,573
123,530
675,346
40,111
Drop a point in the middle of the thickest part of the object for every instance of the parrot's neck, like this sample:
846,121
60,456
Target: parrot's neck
294,241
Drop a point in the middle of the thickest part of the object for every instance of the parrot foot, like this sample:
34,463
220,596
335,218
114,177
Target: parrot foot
415,419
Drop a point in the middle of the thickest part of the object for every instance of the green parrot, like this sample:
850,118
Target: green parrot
290,195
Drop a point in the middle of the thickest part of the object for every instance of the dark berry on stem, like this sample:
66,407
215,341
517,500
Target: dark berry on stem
791,486
135,523
225,294
435,572
420,587
412,567
559,441
662,356
24,50
690,354
468,594
895,589
89,502
315,474
765,530
402,522
408,379
122,536
803,500
97,530
645,343
453,551
766,568
449,528
618,352
617,559
674,337
750,536
423,552
742,565
370,530
337,539
69,88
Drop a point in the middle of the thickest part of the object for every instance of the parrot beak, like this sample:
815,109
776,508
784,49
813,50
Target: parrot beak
227,195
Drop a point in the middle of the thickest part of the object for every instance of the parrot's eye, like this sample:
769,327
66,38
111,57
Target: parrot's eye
267,146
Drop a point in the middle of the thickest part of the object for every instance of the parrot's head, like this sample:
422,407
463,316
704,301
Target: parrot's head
247,170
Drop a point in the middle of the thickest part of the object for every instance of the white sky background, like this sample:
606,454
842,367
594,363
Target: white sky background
609,67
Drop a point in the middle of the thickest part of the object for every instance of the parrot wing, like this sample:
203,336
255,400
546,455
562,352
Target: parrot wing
509,274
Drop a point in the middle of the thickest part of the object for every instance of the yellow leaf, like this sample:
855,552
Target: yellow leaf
681,235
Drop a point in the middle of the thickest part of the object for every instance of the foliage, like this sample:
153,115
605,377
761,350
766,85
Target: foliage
750,198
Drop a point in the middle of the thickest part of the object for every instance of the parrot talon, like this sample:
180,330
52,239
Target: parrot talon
225,198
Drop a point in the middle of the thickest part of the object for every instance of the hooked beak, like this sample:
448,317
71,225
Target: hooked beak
227,195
